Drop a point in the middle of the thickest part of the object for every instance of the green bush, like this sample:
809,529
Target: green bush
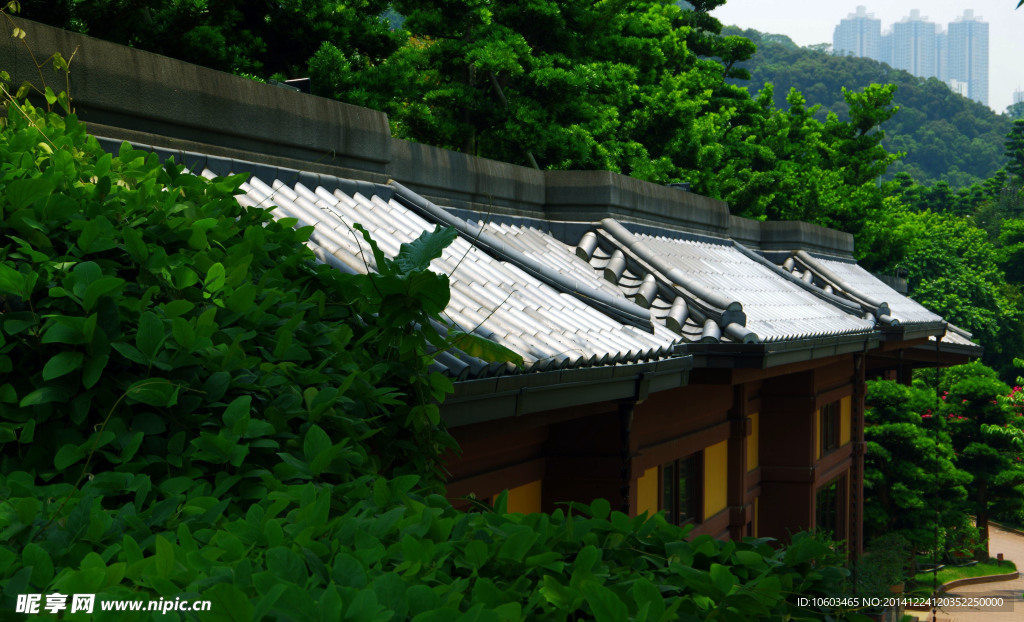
191,407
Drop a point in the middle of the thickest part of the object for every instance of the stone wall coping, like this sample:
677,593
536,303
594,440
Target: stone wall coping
124,93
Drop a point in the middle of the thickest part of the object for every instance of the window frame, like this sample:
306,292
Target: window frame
829,423
671,498
830,508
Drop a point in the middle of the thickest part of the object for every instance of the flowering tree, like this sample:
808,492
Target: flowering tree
910,478
987,434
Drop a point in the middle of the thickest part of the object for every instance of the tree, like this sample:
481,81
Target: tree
910,480
260,37
1011,250
614,85
935,129
1015,151
953,269
987,439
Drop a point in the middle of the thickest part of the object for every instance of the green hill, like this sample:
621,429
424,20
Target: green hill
945,136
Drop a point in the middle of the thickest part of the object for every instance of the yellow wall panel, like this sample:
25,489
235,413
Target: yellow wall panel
647,492
716,468
525,499
753,442
845,419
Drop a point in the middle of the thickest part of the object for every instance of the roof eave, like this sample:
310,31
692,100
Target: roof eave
911,331
488,399
778,353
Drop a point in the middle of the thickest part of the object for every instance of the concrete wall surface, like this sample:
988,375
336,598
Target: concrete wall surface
128,94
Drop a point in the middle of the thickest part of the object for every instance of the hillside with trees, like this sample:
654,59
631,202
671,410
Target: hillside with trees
943,136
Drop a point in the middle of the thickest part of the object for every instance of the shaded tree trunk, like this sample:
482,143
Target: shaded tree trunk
981,553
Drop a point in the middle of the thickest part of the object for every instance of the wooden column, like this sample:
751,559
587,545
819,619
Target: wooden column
585,459
788,430
739,429
856,524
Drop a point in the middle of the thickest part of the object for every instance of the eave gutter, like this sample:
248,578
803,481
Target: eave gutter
909,332
488,399
777,353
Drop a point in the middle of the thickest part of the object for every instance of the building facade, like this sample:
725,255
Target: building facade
914,45
859,34
958,56
968,55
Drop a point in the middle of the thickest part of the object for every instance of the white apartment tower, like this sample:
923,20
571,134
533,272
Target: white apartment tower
859,34
914,45
968,55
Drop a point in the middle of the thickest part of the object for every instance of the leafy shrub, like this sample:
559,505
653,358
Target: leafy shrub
191,407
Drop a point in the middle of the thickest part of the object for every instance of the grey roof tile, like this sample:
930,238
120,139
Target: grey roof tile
862,282
494,298
775,307
545,300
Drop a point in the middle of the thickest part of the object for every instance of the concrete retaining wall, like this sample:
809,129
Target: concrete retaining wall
127,94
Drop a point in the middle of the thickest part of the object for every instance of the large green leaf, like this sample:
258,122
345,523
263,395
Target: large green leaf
228,604
605,604
154,391
11,281
24,192
418,254
62,363
384,265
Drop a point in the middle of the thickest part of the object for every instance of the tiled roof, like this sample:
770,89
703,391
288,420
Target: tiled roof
959,337
850,281
619,296
714,290
563,319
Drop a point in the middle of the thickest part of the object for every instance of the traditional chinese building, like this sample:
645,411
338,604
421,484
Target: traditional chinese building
677,358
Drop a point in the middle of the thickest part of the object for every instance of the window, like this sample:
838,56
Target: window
829,426
830,508
826,510
681,489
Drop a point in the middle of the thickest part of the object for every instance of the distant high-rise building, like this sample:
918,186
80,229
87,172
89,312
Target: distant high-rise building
968,55
1018,96
942,55
914,45
859,34
885,48
958,87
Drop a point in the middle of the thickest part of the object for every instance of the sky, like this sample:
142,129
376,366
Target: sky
812,21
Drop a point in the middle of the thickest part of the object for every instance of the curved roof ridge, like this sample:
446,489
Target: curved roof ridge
726,309
839,301
620,309
877,307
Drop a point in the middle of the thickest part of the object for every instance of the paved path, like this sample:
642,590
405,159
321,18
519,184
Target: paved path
1011,545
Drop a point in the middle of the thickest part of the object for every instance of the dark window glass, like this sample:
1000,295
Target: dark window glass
681,489
827,514
829,428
